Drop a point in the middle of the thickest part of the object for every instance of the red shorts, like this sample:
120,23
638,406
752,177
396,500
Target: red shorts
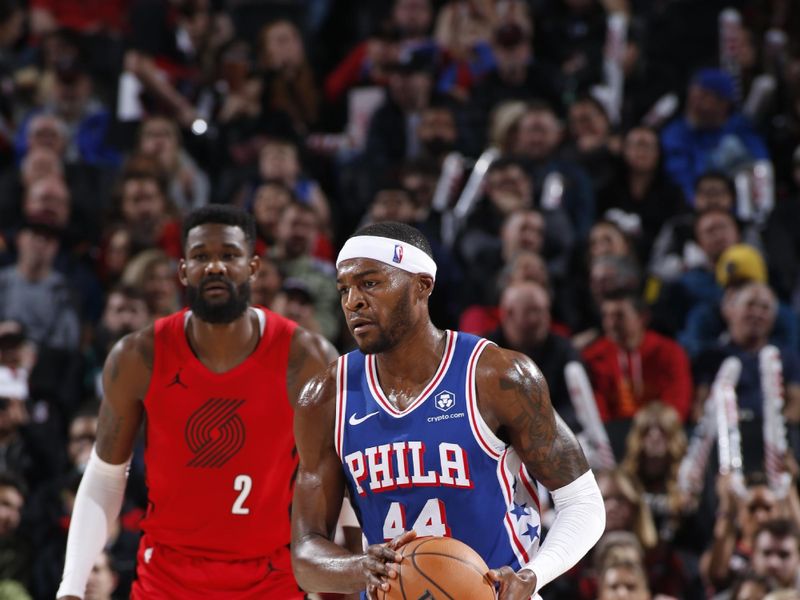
163,573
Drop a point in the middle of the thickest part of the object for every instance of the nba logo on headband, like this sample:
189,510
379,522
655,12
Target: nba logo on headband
403,256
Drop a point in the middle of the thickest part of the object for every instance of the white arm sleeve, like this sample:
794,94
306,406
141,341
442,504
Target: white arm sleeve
97,505
579,523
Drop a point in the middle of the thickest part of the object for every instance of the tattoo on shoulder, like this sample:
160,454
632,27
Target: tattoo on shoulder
542,439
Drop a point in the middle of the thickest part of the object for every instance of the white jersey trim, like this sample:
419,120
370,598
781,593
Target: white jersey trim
262,318
484,436
377,393
341,403
505,477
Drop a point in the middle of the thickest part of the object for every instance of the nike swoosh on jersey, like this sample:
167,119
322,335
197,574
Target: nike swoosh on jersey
354,420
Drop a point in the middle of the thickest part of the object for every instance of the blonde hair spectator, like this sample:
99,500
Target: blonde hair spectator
503,122
153,272
645,462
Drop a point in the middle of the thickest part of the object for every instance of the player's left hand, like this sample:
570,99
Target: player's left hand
513,586
380,560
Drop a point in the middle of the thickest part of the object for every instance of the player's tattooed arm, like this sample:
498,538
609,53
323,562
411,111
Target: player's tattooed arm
515,401
309,354
126,377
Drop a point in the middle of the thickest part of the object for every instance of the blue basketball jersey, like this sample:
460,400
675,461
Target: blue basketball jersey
435,467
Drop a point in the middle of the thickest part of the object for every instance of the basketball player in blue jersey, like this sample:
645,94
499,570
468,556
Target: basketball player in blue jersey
431,433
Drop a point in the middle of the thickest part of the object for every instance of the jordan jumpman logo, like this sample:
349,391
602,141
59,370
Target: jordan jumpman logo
177,381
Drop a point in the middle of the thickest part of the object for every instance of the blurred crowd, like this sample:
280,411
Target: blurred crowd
609,182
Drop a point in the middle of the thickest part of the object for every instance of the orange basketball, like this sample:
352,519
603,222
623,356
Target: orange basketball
439,568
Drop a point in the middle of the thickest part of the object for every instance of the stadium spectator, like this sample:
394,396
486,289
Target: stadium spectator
279,160
297,232
593,144
705,324
269,200
641,189
393,130
776,553
152,272
286,78
144,208
160,139
525,326
631,365
710,134
33,293
16,552
739,515
86,120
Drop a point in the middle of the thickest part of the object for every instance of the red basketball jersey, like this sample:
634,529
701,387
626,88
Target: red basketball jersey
219,456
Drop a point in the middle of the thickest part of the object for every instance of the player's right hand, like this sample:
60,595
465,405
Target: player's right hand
513,586
380,560
68,598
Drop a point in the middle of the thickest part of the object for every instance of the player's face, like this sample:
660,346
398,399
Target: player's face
377,303
217,272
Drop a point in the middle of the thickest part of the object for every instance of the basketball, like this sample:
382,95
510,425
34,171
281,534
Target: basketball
436,568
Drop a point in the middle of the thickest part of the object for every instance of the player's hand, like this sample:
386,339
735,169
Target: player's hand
380,562
513,586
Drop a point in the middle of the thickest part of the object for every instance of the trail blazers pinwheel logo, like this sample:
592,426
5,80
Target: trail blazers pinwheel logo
215,433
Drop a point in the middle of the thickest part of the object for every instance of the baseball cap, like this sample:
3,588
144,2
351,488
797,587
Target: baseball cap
741,262
717,82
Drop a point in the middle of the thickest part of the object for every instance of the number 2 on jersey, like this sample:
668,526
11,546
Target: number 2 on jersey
242,484
432,520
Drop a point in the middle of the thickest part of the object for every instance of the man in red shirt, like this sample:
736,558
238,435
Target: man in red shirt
631,365
218,383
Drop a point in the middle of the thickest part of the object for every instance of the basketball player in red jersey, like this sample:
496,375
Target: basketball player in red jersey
217,384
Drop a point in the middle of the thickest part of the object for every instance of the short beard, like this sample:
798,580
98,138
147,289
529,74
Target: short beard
227,312
399,323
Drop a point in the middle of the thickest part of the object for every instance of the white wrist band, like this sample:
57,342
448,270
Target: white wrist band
97,505
579,523
389,251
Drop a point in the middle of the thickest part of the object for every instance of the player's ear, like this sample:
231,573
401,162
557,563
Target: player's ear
255,265
182,272
424,284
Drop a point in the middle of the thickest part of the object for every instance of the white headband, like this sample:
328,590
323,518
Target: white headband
387,250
